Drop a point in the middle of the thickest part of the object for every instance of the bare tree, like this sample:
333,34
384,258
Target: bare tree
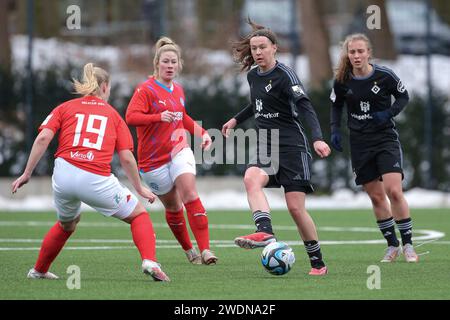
315,42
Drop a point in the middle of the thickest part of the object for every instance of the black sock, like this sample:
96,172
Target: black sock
405,228
387,228
315,256
262,221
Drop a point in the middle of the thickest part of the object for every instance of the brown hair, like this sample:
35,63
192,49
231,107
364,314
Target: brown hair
93,77
241,48
344,67
165,44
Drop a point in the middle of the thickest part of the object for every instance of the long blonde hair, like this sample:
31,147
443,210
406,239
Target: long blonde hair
344,67
165,44
93,77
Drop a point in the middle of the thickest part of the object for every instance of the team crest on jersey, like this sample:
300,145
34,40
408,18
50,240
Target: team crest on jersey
259,106
268,87
297,90
365,106
375,89
400,87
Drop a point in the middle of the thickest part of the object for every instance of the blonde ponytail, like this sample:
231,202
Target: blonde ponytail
93,77
165,44
344,67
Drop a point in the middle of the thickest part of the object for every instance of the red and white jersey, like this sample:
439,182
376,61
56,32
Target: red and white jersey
158,142
89,132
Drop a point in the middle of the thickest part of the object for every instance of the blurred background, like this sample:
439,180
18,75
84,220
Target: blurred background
45,43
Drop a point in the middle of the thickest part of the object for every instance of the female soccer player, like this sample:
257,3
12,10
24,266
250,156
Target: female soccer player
375,148
166,162
89,132
278,101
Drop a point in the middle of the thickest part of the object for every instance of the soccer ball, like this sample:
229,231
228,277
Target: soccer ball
277,258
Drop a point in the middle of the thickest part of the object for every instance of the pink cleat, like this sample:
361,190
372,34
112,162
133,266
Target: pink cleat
391,254
409,253
255,240
318,272
153,269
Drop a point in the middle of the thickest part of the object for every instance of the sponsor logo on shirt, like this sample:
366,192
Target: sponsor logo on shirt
267,115
82,156
259,106
365,106
361,116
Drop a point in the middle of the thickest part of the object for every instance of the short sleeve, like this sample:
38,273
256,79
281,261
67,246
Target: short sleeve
53,121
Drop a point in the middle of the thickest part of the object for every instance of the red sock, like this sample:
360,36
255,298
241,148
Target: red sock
53,242
177,224
144,236
198,220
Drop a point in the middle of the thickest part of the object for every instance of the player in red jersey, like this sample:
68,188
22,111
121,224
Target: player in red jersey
89,132
166,162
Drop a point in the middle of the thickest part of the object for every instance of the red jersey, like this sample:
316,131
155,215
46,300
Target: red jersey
90,131
158,141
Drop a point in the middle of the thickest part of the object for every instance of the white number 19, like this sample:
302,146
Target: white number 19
90,128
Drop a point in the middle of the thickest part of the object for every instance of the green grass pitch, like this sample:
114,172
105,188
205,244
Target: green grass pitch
110,264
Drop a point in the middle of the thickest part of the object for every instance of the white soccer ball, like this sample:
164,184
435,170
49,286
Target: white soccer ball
277,258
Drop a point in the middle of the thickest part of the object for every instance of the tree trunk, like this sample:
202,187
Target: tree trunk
382,39
315,42
5,45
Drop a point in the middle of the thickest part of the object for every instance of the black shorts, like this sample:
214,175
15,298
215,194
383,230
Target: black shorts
370,163
292,170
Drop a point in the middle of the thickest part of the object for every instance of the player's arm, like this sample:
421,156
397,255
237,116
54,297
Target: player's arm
337,107
138,110
195,129
240,117
400,94
40,145
124,147
128,163
398,90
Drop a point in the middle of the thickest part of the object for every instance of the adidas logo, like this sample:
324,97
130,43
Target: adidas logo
397,165
387,233
297,177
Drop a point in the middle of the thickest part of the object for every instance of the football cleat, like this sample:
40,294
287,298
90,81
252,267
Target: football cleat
153,269
409,253
318,272
33,274
255,240
391,254
193,256
208,257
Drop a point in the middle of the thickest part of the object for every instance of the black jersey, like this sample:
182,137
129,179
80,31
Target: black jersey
363,97
279,101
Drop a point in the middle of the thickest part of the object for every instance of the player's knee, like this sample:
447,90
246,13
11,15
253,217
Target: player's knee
251,183
296,210
189,196
69,226
378,199
394,194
